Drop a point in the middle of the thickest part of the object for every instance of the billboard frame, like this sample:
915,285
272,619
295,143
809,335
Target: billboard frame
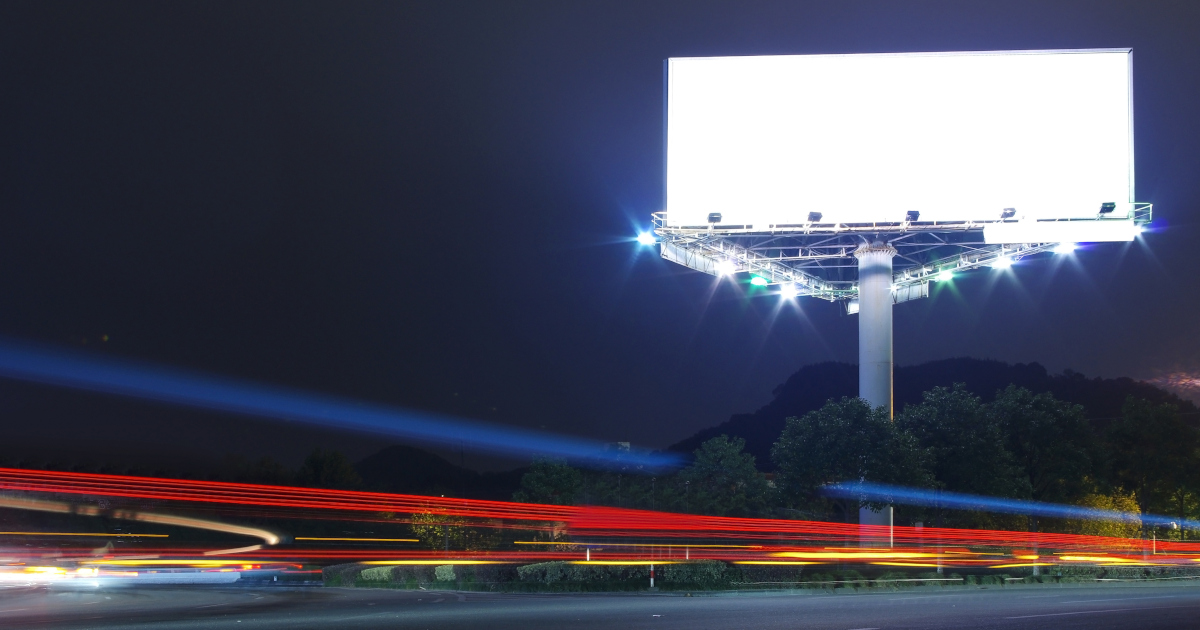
1130,198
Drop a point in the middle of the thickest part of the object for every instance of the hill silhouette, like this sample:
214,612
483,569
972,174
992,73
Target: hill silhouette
813,385
410,470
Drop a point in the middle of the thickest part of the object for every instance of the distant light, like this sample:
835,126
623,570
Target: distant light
912,215
1065,248
646,238
788,290
1003,262
759,281
726,268
945,275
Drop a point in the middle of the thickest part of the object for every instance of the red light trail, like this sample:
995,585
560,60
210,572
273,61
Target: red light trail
607,534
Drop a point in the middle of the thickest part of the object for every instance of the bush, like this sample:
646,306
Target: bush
768,575
585,576
412,575
376,574
701,574
443,573
340,574
489,575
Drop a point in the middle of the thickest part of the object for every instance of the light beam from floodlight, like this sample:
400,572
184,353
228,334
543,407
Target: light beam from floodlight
646,238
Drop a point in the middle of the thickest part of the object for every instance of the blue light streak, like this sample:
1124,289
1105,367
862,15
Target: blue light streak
867,491
27,362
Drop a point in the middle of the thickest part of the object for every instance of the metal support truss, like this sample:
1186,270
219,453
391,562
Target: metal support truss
818,258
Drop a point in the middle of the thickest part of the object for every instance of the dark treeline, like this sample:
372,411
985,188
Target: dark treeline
1017,444
810,387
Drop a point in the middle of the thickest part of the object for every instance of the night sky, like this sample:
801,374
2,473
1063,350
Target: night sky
431,205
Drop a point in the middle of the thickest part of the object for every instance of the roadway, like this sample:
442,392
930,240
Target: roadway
1172,605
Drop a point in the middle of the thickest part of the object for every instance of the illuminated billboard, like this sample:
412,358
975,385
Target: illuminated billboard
765,141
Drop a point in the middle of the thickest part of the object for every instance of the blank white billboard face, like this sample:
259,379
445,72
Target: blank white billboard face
865,138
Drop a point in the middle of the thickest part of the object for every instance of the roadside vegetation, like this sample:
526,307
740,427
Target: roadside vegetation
712,575
1018,445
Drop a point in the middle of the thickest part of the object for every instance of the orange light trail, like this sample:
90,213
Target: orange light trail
357,539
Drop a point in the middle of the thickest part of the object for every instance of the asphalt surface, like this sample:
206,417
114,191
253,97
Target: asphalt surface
1068,606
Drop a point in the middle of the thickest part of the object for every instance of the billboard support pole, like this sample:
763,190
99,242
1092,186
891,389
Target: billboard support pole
875,351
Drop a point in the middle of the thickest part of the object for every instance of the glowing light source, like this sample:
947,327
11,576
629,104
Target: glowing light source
1065,248
726,268
1003,262
759,281
646,238
788,290
1055,146
945,275
1106,231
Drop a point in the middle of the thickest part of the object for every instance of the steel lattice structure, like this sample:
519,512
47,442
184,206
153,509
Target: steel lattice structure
818,258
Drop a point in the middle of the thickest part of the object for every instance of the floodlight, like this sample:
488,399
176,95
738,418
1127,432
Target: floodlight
759,281
1008,213
945,275
1003,262
1065,248
788,290
646,238
813,217
1107,207
912,215
714,217
726,268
